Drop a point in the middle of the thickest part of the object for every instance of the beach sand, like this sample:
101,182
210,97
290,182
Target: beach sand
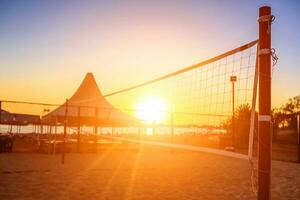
144,172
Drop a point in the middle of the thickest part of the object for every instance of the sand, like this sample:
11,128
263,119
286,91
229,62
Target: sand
142,173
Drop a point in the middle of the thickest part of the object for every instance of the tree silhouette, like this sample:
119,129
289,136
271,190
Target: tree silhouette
286,115
242,125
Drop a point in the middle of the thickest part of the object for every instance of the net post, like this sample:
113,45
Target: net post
65,133
264,118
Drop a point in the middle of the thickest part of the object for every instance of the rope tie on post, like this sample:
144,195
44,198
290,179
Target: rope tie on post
267,18
273,56
274,59
270,19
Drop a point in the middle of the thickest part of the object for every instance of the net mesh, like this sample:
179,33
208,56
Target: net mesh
194,101
197,99
200,101
201,96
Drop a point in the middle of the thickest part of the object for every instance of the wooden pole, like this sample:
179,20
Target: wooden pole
50,127
50,144
41,126
78,130
0,111
96,129
298,130
264,118
55,130
65,132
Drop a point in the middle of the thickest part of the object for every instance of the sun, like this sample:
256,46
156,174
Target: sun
152,110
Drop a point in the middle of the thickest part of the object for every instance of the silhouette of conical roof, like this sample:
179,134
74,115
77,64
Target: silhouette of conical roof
89,93
93,109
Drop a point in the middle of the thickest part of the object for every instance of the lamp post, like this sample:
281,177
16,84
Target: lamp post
233,79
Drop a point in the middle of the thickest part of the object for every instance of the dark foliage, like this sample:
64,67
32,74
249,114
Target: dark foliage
242,125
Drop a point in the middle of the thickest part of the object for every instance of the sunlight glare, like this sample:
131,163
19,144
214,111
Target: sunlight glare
149,131
152,110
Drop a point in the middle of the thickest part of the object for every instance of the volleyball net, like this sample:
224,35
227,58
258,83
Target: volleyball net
213,97
209,106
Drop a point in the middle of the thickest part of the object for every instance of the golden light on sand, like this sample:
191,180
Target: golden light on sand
152,110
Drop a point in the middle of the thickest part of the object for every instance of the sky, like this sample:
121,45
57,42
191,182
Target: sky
47,47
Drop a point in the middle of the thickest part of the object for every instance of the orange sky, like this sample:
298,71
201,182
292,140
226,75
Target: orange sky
47,48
